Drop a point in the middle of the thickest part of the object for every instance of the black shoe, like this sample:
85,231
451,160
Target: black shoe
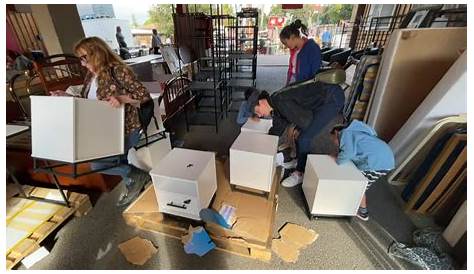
130,194
138,175
363,214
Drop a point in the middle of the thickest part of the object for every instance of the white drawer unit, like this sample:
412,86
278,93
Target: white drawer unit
331,189
261,126
253,160
72,130
185,182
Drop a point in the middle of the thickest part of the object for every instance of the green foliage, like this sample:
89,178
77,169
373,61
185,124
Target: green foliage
332,14
206,8
161,16
309,16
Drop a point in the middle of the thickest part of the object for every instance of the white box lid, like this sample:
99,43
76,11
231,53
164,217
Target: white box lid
327,168
256,142
263,125
180,163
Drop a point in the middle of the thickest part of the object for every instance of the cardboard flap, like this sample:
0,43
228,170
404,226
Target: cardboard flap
146,203
298,235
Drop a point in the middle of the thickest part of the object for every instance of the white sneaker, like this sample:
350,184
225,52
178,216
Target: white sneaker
293,180
291,164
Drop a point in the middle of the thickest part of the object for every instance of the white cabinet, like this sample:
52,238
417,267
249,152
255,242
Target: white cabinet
252,160
261,126
73,129
331,189
185,182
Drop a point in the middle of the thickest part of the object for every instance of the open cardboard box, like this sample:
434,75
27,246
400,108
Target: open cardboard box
254,213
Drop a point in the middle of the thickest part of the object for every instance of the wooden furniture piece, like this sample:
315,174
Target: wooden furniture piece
442,174
58,72
176,98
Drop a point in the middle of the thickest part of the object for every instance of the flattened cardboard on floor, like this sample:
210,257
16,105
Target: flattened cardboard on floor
253,226
298,235
293,239
137,250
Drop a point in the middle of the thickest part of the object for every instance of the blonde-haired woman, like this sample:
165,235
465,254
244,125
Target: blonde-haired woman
109,79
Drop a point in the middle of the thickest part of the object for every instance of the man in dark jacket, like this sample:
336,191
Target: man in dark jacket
310,106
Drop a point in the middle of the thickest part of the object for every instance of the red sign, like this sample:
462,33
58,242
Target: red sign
276,22
291,6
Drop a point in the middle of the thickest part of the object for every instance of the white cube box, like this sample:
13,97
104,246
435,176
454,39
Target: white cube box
261,126
253,160
148,157
185,182
331,189
72,130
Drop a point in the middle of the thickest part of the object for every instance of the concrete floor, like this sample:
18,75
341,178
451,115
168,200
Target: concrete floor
91,242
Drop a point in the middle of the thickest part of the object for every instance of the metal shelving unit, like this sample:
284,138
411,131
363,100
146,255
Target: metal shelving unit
243,53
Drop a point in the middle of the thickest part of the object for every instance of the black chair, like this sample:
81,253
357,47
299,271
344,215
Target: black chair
341,57
326,56
325,49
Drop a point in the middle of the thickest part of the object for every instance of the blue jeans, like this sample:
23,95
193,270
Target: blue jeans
321,117
124,168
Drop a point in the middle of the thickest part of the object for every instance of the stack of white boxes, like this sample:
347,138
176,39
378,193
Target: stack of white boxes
253,160
331,189
185,182
72,130
260,126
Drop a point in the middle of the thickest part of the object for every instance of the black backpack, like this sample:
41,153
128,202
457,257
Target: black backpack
145,111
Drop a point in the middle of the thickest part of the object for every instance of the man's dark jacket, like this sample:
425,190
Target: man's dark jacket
297,104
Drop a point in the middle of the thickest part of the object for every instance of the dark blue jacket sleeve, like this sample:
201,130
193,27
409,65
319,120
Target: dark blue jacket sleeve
309,61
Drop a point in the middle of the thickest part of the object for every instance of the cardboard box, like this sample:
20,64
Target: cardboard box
260,126
255,214
185,182
73,129
331,189
253,160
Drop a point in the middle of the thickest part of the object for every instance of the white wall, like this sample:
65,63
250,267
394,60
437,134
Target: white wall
448,98
105,28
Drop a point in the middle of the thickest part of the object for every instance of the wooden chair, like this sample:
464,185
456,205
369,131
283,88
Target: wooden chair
176,98
58,72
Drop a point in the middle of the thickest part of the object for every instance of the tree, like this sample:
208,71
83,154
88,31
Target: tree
161,17
206,8
332,14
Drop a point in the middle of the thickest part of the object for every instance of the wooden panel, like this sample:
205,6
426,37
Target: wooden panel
408,72
444,184
30,244
436,166
438,205
457,227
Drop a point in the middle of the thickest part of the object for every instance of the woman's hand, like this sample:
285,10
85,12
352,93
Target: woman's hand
58,93
125,99
114,101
